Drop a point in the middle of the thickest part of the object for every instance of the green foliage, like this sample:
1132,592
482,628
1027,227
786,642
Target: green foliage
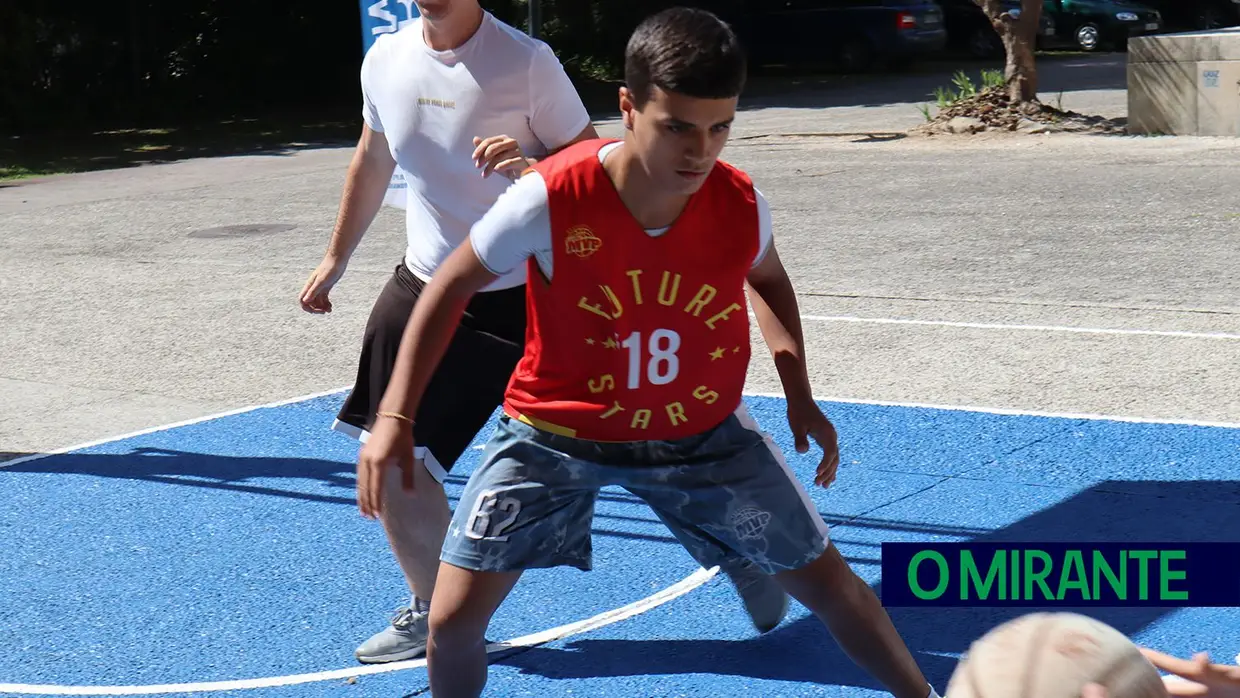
964,85
963,88
99,63
945,97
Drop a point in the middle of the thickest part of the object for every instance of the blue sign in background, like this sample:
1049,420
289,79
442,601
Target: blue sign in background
384,16
1175,574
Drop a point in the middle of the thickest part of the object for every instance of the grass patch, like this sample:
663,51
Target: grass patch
962,88
10,173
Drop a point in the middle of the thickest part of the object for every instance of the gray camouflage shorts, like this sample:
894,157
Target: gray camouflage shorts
530,503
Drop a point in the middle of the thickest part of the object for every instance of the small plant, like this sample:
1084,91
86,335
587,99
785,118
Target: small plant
964,84
925,110
945,97
964,87
992,79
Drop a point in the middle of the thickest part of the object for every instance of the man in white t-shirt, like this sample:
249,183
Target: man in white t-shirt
463,103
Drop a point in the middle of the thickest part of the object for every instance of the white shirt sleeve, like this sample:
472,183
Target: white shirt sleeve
765,228
516,228
557,113
370,111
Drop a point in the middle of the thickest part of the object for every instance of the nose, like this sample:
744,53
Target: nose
698,145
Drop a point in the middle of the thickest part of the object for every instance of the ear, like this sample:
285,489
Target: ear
627,108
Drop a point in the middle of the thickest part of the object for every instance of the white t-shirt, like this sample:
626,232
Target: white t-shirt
519,226
431,104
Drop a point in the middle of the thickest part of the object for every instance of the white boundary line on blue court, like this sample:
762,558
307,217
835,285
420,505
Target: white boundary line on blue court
166,427
845,400
684,586
1016,412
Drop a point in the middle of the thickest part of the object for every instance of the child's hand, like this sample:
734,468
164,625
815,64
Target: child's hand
499,154
1188,677
1201,677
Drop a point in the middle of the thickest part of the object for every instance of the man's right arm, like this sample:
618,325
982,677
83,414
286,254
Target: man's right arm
516,227
365,185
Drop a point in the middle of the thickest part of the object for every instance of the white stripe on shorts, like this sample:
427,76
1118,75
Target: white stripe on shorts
747,421
428,459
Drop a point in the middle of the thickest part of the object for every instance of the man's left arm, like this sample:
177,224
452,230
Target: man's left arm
774,303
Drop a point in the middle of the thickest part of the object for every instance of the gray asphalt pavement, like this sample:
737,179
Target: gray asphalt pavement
1050,273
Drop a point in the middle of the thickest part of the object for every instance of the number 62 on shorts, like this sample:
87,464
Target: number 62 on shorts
492,515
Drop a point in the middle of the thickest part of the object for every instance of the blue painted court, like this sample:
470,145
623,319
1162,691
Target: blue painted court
227,556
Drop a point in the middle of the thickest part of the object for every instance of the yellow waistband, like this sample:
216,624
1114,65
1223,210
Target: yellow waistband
543,425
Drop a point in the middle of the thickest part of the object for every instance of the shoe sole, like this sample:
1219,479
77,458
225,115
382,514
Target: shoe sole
400,656
394,657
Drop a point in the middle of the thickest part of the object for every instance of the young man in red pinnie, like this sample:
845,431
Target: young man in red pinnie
637,349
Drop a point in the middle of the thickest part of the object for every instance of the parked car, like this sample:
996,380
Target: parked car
1093,25
1194,15
970,31
855,35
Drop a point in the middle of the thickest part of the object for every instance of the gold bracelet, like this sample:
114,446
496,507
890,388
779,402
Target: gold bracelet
395,415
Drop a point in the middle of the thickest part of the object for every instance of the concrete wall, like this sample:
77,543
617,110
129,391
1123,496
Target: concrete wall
1185,84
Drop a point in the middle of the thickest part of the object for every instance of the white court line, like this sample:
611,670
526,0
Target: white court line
693,581
684,586
856,401
1035,328
1014,412
166,427
816,318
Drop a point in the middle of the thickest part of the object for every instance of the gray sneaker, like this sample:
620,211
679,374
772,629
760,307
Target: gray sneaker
765,600
404,639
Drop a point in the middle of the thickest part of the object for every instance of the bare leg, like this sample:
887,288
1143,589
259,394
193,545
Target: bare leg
416,523
857,621
460,612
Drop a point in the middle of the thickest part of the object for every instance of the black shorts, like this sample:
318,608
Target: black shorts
468,385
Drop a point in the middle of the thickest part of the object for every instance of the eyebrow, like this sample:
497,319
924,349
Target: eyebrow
672,121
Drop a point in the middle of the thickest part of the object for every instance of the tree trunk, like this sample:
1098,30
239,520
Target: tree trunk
1020,71
1019,36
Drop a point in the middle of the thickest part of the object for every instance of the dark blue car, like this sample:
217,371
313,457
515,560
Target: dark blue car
855,35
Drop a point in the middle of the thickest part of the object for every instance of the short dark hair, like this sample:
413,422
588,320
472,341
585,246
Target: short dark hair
684,50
